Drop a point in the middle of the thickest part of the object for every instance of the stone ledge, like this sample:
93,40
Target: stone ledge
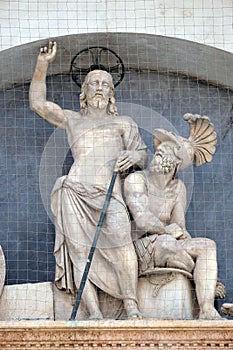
108,334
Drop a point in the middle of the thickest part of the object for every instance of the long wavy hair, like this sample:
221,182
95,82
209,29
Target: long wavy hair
111,107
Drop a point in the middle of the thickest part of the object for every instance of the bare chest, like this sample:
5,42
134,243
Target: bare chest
95,137
162,203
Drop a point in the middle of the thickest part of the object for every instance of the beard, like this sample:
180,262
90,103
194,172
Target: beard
98,101
162,164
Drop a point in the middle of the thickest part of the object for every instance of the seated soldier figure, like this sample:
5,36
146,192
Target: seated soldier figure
157,202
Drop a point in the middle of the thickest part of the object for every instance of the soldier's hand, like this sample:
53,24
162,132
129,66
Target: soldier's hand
185,235
174,230
127,159
48,53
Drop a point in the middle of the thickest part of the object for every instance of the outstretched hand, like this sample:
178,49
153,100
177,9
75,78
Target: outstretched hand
127,159
48,53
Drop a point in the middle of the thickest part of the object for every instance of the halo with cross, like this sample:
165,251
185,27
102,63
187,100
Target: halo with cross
97,57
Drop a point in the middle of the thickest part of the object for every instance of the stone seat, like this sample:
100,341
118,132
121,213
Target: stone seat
163,293
167,293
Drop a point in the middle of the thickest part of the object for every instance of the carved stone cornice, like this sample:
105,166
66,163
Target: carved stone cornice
108,334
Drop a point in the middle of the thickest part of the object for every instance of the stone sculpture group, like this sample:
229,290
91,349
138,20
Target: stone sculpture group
137,262
100,141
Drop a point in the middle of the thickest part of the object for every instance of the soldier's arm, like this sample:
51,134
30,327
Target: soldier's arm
138,202
37,94
178,212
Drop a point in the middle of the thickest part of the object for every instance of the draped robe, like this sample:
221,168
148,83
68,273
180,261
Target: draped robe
77,205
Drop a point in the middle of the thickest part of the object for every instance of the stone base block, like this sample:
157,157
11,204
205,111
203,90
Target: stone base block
167,296
63,306
110,307
175,300
31,301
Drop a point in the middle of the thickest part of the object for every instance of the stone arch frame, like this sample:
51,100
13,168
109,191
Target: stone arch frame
138,51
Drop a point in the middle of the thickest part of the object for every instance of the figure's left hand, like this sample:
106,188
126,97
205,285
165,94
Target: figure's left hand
127,159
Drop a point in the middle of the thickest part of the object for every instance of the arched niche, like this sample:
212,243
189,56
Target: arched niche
166,75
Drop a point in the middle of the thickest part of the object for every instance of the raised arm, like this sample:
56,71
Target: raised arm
37,93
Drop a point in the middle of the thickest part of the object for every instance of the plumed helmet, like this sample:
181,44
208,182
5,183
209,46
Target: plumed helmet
199,147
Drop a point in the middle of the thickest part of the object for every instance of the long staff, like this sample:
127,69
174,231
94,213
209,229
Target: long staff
92,250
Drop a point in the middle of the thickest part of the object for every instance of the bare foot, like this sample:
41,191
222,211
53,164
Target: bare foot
132,311
210,314
96,316
135,315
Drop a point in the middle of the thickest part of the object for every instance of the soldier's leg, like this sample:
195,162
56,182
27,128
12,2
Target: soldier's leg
205,274
168,252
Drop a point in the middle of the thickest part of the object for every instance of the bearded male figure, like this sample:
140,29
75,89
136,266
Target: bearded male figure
157,201
98,139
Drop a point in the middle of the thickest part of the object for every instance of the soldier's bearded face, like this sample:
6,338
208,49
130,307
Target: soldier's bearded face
164,160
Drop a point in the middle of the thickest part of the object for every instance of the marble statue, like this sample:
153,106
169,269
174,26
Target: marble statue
98,138
157,201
